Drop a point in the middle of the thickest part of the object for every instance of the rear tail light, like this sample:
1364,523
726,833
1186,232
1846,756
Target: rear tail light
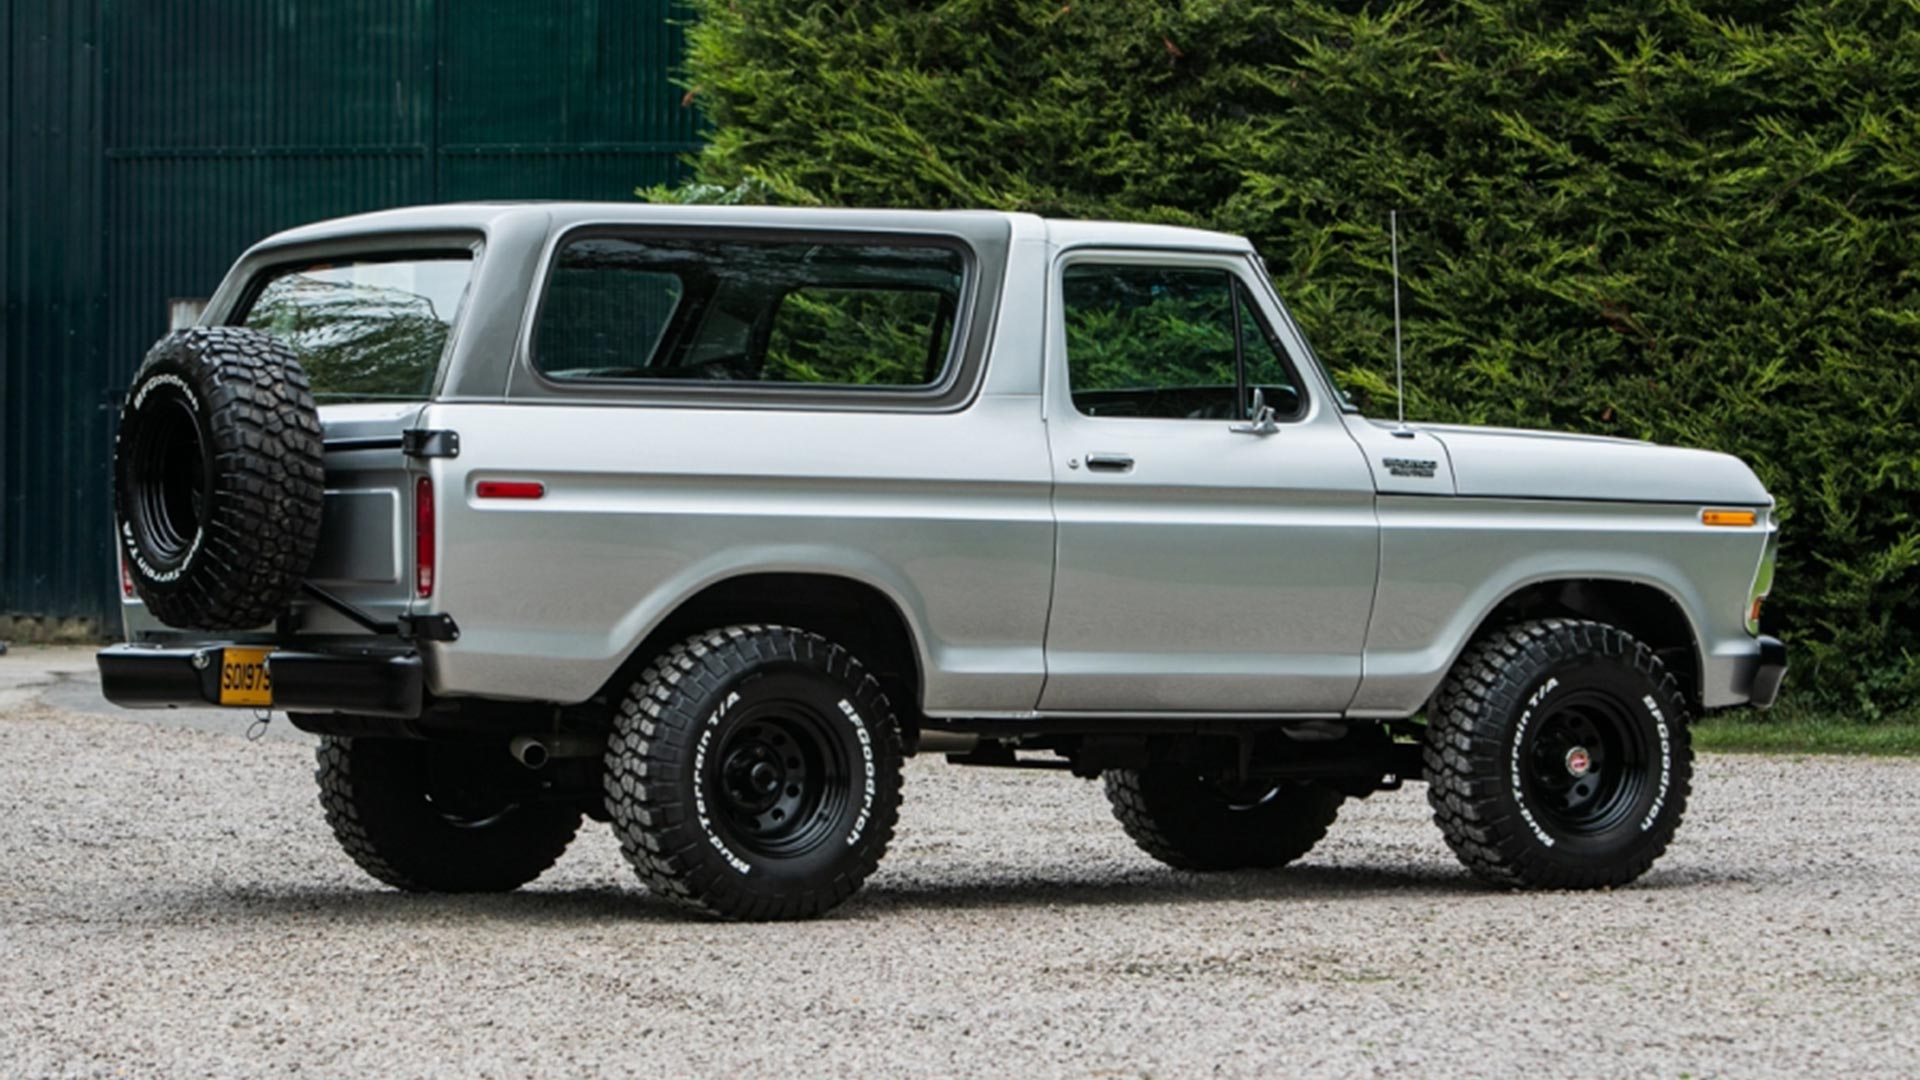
126,579
423,537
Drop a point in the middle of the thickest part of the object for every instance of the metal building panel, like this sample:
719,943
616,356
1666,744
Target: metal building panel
148,142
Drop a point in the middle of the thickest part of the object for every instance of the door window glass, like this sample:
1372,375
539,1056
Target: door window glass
1170,342
1151,341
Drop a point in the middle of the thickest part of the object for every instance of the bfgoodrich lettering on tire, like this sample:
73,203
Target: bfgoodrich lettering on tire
1558,756
754,773
218,481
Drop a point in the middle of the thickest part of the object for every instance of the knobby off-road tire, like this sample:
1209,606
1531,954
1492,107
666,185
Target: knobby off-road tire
754,773
1558,756
218,481
1191,823
398,809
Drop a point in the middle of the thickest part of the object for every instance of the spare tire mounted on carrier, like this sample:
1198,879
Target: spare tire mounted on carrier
218,481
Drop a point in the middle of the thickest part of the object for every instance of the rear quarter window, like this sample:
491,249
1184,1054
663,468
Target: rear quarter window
365,329
766,313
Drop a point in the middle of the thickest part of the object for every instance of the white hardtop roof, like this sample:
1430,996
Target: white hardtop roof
1068,232
483,216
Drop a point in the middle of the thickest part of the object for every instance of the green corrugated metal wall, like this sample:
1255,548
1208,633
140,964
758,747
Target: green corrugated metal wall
148,142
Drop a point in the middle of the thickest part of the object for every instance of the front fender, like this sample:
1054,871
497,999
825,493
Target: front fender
1447,564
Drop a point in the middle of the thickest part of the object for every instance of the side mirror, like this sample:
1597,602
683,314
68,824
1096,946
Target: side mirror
1259,417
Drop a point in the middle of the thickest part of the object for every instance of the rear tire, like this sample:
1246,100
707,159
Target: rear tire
1192,823
754,773
398,809
1558,756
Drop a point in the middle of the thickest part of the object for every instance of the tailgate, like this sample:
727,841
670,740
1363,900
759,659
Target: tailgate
366,528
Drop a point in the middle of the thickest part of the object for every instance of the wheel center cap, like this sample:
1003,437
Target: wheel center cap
753,777
1579,762
765,776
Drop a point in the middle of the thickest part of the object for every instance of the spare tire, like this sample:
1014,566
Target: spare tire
218,480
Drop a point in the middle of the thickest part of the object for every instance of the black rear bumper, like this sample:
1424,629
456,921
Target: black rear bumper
1763,689
364,684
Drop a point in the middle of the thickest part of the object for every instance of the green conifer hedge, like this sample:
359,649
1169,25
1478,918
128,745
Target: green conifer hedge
1688,221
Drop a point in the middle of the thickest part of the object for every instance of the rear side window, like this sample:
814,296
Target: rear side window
368,329
764,313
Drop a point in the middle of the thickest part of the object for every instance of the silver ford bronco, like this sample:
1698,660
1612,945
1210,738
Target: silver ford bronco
699,520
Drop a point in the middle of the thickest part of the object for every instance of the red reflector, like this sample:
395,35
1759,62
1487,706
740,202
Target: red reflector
126,579
423,538
510,489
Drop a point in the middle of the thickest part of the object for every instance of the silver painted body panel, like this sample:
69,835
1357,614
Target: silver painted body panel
1500,462
946,515
1335,567
1223,571
1448,562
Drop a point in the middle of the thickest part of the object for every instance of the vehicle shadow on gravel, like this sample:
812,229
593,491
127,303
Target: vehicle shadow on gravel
535,906
1298,883
1154,887
1146,888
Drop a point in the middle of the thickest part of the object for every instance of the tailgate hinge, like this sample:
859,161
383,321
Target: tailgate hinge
428,628
430,443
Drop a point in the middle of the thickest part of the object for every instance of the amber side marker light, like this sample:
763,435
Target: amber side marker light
1733,518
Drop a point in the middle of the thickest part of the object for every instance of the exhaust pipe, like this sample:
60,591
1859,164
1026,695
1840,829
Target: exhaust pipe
529,751
536,751
946,742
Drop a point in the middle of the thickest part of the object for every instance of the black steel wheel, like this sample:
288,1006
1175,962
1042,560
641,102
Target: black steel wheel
1558,756
754,773
1586,763
782,781
438,817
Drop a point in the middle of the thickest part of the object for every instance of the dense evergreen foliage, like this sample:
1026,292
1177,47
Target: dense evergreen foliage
1690,221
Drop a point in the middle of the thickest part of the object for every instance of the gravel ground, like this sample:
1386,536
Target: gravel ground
172,904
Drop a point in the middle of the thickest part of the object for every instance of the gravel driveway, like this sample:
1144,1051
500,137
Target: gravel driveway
172,904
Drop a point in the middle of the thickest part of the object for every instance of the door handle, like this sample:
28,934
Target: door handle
1110,462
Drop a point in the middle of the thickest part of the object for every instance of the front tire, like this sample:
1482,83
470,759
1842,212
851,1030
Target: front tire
1558,756
754,773
1192,823
404,810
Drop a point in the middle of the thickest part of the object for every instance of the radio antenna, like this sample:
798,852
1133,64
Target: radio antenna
1399,367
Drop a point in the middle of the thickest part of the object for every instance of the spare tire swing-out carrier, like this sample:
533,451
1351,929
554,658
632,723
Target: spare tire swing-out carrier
219,487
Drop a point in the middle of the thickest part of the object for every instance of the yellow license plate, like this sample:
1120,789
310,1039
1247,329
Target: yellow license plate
243,677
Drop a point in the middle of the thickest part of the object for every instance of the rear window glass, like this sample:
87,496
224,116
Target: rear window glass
840,314
365,330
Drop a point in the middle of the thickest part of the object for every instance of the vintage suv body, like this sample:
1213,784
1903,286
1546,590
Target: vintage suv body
700,518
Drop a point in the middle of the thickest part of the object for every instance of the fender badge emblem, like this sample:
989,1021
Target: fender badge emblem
1420,467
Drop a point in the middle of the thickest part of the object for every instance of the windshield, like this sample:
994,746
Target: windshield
365,329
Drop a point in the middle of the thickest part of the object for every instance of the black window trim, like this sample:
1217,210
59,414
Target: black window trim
955,390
